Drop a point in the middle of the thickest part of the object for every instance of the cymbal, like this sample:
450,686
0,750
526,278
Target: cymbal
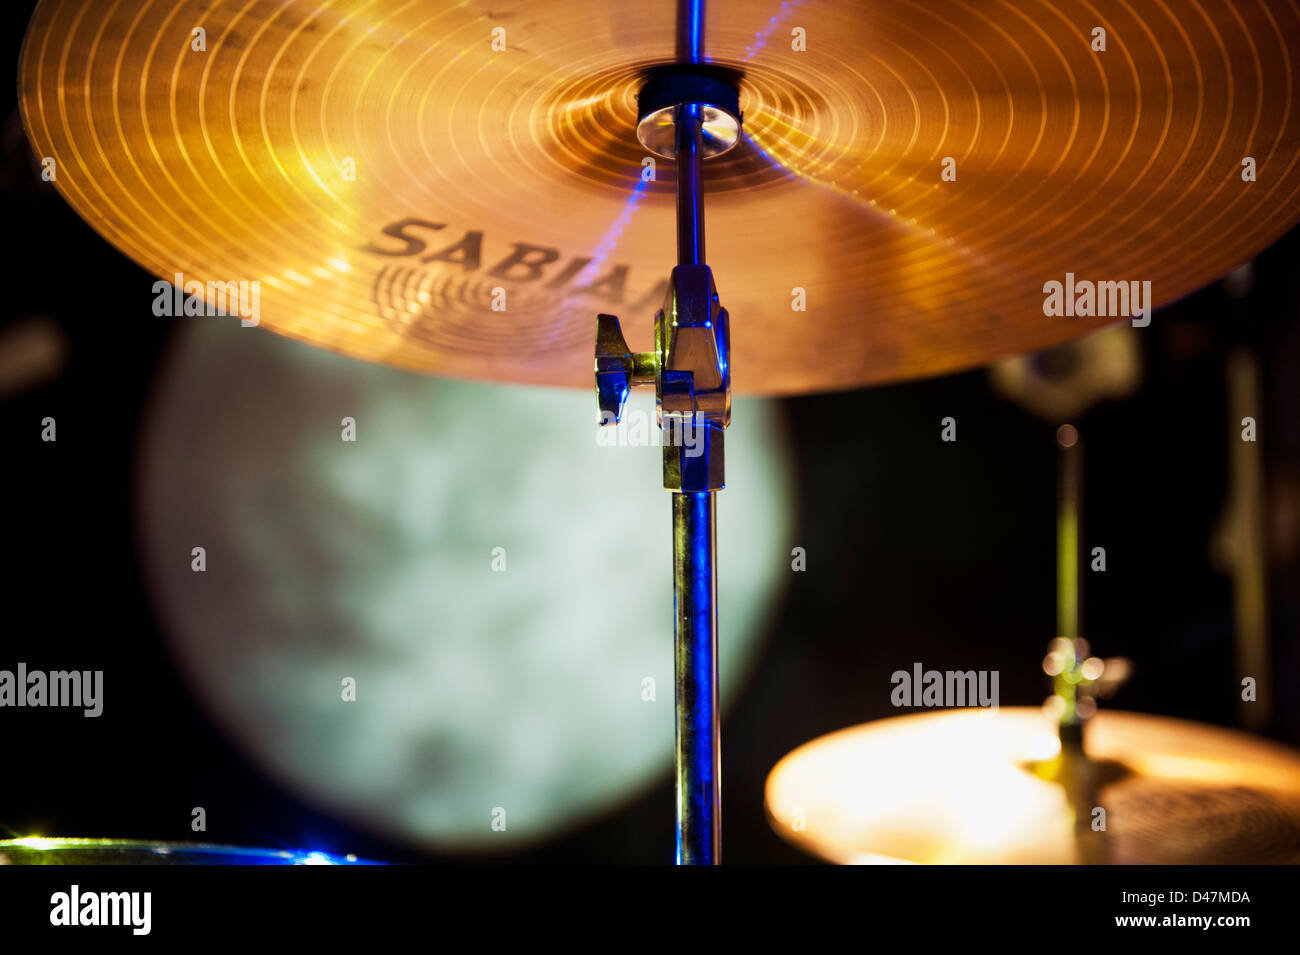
958,787
404,192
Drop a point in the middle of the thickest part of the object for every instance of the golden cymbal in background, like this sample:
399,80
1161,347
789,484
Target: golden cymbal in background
404,192
958,787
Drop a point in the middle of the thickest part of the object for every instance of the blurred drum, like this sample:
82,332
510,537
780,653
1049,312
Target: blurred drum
392,626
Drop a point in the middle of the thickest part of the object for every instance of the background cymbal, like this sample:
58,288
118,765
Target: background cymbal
957,787
234,163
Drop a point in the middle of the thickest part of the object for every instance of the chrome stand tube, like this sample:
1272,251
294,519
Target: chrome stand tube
691,371
699,751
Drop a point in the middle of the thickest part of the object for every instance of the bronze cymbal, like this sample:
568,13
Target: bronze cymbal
404,192
959,786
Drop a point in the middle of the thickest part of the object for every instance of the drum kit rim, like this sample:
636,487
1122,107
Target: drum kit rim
39,850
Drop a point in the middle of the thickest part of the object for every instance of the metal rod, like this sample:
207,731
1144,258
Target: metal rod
698,743
690,119
690,195
690,30
1069,505
698,748
1249,563
1069,502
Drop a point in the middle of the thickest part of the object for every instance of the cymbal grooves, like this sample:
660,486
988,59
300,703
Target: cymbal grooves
231,164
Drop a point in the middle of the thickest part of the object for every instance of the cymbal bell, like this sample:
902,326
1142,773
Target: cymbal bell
960,786
459,189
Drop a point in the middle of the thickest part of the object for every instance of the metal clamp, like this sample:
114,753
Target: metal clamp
690,372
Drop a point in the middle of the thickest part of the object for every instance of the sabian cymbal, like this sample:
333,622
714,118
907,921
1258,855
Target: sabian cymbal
404,192
960,787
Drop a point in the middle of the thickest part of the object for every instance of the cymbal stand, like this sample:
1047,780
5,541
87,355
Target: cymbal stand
688,112
1073,675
